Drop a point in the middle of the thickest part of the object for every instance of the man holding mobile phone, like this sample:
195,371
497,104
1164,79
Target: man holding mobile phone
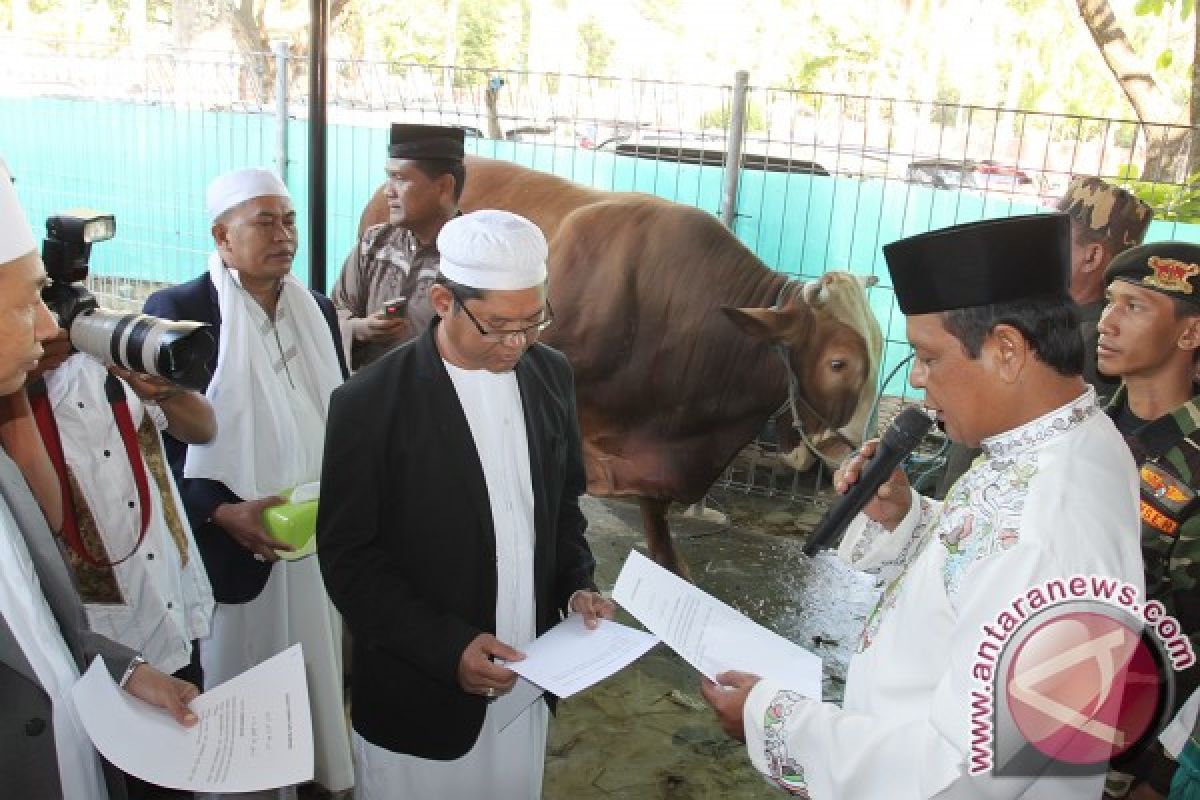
382,295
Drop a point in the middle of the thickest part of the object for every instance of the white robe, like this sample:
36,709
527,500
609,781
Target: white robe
1054,498
293,606
503,763
24,608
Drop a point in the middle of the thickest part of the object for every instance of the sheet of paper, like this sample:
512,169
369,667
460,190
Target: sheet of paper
708,634
512,705
254,733
569,658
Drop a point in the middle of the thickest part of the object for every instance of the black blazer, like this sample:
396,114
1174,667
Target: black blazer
235,576
406,543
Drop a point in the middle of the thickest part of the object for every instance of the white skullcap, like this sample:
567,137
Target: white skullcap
493,250
234,188
16,237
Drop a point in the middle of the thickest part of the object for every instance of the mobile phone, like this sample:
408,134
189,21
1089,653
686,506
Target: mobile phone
395,309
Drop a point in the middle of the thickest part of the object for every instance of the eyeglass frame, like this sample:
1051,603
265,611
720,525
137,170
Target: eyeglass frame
527,333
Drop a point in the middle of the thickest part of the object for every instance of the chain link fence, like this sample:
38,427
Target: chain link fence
826,178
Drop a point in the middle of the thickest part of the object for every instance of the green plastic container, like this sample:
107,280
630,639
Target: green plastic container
294,523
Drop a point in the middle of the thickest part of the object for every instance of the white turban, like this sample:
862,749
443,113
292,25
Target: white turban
16,237
234,188
493,250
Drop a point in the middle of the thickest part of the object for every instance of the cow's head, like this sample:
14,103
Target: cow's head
834,345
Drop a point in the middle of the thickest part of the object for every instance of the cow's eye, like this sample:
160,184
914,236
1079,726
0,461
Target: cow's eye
837,365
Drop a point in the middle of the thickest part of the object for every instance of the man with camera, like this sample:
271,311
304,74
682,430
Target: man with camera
44,639
278,359
124,529
382,296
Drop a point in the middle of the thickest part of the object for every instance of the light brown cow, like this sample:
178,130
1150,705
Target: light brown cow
678,336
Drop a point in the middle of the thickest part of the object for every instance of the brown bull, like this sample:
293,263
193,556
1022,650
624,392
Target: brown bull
669,322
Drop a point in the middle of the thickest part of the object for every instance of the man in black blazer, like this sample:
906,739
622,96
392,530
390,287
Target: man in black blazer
277,361
235,574
449,530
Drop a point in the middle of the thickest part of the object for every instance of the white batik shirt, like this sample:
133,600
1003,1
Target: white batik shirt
1054,498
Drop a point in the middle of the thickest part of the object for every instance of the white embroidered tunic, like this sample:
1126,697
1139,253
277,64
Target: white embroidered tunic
1054,498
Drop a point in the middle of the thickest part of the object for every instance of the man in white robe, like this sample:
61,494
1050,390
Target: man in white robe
450,533
278,359
44,638
1054,496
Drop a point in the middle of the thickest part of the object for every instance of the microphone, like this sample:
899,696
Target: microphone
900,439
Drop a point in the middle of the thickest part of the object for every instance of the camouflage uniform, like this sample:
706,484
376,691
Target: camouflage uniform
1099,212
1167,451
1170,544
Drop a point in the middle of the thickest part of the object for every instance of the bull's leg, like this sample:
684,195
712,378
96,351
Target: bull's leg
658,535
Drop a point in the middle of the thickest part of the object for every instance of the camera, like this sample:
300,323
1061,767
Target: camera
177,351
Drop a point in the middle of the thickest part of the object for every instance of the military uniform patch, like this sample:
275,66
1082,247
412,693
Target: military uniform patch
1170,275
1165,498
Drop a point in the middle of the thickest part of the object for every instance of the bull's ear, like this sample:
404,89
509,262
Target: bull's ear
767,324
868,281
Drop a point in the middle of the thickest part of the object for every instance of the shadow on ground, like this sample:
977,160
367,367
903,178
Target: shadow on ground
646,733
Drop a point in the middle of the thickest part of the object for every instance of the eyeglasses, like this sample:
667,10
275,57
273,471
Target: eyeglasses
511,337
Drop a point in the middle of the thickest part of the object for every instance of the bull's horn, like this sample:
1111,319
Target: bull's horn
822,296
867,281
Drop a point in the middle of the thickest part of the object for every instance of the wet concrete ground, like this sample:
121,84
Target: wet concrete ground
646,733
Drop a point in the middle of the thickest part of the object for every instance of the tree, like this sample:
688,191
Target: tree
597,47
1159,116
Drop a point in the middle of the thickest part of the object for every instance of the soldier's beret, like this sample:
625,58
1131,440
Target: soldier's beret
423,142
980,263
1107,211
1172,268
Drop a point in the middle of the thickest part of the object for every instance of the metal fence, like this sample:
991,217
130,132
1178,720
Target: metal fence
826,178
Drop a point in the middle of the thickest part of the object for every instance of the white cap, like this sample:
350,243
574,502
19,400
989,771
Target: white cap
16,237
234,188
493,250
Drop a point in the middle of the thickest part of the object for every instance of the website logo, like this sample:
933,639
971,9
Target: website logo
1073,673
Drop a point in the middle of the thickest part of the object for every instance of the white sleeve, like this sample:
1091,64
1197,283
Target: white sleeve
870,547
819,750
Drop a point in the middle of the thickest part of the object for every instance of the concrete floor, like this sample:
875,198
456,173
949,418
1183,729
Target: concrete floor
646,733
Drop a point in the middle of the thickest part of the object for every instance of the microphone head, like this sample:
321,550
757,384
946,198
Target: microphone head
907,429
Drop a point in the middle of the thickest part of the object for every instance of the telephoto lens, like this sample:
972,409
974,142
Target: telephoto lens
177,351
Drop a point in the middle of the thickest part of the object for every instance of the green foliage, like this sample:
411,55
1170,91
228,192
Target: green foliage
1144,8
806,70
597,46
945,111
477,29
1171,202
1165,58
1125,135
665,14
756,119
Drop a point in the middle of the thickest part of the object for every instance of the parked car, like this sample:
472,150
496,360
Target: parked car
985,176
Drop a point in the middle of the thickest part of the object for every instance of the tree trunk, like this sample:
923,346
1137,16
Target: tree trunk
256,75
1164,144
493,112
1194,101
450,48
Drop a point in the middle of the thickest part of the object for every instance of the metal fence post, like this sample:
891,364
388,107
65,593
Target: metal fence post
280,47
733,155
318,80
